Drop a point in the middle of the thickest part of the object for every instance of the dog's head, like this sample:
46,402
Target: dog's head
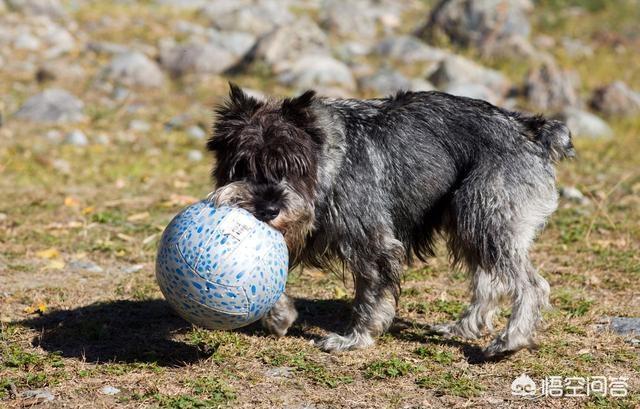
267,155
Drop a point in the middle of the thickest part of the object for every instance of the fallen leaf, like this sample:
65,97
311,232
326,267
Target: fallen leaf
125,237
88,210
48,253
56,264
138,216
70,201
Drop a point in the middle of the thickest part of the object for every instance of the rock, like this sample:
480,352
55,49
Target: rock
103,139
236,42
573,194
549,88
36,396
59,41
197,57
254,16
59,69
53,105
286,43
26,41
183,4
76,138
138,125
310,71
85,265
134,69
194,155
50,8
616,99
385,82
196,133
471,90
484,24
120,94
347,51
625,325
456,69
354,18
576,48
583,123
409,49
109,390
418,84
53,136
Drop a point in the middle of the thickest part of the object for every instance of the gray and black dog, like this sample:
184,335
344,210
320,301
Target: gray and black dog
370,184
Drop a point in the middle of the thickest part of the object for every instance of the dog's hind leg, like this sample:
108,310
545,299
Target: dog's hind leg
377,272
487,290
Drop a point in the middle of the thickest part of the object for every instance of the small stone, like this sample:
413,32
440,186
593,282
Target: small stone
409,49
586,124
138,125
109,390
576,48
53,136
134,268
50,8
53,105
385,82
85,265
36,396
195,155
547,87
279,372
237,42
120,93
61,166
76,138
103,139
134,69
196,133
573,194
256,17
3,217
354,18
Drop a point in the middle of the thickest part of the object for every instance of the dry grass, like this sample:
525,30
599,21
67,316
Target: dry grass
75,331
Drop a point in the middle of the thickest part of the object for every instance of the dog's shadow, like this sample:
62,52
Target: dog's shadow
128,331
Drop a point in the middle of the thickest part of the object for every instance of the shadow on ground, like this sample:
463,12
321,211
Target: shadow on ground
142,331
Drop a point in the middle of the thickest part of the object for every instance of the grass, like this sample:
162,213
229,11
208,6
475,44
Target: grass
112,329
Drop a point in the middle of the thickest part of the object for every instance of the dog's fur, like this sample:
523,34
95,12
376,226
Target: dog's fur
369,184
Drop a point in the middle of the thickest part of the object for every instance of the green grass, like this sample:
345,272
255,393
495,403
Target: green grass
389,368
449,383
305,365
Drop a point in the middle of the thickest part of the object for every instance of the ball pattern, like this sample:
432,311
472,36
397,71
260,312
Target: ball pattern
221,268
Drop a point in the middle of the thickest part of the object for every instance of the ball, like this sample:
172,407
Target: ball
221,268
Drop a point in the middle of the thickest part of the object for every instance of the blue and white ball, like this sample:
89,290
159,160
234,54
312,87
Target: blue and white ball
221,268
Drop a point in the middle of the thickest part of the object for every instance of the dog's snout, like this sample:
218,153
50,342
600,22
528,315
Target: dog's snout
268,212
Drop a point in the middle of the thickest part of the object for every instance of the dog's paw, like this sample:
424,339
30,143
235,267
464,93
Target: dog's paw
459,329
503,346
446,330
337,343
283,314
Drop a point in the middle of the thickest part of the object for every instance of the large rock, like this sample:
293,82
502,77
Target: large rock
547,87
288,42
253,16
485,24
238,43
310,71
408,49
51,8
134,69
197,57
456,69
471,90
585,124
354,18
616,99
52,106
388,82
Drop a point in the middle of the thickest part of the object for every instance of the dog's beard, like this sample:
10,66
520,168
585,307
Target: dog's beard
294,221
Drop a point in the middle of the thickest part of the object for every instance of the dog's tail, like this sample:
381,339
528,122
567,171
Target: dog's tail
554,136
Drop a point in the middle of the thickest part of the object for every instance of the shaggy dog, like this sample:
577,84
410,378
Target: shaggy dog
370,184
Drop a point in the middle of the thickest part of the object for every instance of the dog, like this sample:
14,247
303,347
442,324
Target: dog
371,184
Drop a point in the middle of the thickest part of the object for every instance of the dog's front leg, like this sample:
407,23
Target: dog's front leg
374,306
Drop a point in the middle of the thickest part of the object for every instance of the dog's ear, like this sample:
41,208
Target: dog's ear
238,105
297,110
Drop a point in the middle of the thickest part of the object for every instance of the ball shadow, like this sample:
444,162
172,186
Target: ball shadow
119,331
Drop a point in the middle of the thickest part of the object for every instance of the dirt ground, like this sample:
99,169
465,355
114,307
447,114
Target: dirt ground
80,309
